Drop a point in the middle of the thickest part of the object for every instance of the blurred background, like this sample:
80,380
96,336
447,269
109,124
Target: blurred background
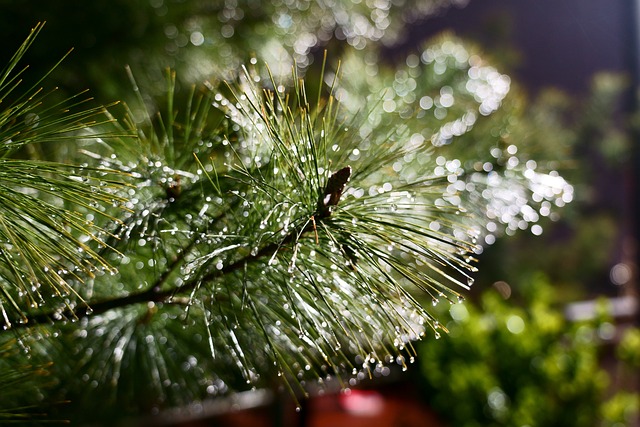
548,336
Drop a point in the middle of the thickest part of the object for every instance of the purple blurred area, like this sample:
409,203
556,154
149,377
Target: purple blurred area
560,43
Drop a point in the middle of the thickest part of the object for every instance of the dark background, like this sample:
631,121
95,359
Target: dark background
561,43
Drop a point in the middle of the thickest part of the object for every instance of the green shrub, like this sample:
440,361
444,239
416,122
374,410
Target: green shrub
508,365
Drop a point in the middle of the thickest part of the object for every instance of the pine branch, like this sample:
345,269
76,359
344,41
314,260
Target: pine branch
156,293
276,270
53,215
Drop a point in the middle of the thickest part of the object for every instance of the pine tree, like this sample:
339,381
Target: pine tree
266,230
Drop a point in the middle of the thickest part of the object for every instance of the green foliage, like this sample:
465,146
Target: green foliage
47,241
272,230
258,247
21,381
629,349
621,410
583,140
506,365
199,39
246,219
500,152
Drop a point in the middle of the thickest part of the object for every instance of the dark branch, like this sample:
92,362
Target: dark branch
333,191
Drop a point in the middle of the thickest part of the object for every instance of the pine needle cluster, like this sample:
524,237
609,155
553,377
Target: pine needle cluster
241,234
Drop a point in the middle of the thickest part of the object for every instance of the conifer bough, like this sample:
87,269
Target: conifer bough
257,250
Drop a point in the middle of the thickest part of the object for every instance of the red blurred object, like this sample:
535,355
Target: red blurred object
363,403
393,405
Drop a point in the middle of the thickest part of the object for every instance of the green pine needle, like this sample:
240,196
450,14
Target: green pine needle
53,216
291,266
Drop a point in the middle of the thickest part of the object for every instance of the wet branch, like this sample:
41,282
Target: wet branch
156,294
